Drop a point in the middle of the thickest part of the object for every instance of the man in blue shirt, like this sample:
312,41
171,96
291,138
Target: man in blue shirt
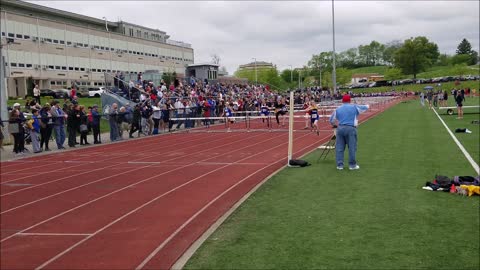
346,116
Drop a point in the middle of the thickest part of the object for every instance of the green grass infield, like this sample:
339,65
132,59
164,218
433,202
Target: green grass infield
378,217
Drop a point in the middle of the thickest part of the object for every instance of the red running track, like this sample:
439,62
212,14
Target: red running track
137,204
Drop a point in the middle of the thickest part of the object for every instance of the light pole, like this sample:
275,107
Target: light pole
291,73
334,75
256,80
299,78
320,74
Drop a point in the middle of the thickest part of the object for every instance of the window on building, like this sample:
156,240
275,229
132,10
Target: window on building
3,34
48,40
51,67
82,69
11,35
13,64
22,65
62,42
85,45
131,32
26,36
29,65
139,33
69,43
52,83
64,68
57,67
145,35
102,48
77,69
55,41
70,68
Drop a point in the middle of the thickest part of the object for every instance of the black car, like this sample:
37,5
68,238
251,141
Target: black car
47,93
61,93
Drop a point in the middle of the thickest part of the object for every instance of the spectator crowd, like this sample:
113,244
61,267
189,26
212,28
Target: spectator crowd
150,111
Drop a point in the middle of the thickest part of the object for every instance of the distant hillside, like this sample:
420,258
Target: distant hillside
376,69
438,71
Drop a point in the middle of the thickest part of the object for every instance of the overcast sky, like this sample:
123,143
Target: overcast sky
288,33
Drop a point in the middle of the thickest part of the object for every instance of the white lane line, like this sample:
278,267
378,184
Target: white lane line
126,187
49,182
177,231
70,189
54,234
147,203
464,151
144,162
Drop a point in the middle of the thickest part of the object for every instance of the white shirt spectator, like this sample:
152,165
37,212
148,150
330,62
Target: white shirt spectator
36,92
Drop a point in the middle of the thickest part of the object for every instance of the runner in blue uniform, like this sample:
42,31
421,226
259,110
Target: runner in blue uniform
265,112
228,113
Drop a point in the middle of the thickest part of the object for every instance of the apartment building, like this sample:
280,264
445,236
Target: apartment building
54,48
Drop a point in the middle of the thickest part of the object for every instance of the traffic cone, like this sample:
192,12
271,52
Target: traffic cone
452,189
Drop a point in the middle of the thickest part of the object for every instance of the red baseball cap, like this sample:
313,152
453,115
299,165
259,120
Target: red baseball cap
346,99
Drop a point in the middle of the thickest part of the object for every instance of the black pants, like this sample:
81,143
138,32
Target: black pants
72,134
37,99
135,127
83,137
96,133
156,123
277,114
46,134
18,140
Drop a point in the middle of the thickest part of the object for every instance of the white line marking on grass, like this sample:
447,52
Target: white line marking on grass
54,234
464,151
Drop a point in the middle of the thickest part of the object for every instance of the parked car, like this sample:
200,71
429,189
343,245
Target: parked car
382,83
62,93
95,91
47,93
83,92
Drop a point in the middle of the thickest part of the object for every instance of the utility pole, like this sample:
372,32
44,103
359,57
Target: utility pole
291,73
256,78
334,74
320,74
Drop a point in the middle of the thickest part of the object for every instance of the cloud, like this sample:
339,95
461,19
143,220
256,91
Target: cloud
289,32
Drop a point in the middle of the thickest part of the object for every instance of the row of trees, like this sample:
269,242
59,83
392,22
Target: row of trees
409,57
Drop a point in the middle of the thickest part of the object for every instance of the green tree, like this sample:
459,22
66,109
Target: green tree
344,76
460,59
464,47
376,49
348,58
324,58
416,55
393,74
389,51
444,60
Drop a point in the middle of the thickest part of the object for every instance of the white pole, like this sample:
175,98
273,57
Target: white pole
290,130
256,78
320,71
291,73
334,75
